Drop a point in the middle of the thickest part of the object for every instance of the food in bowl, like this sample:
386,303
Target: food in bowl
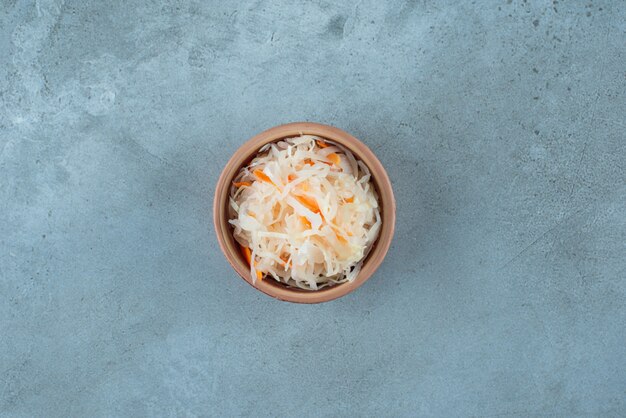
305,212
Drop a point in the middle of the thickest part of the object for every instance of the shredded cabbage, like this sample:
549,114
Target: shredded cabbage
305,213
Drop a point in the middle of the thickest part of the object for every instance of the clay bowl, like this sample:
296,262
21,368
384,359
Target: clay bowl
231,249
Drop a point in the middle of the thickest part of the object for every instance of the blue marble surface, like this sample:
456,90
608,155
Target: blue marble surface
501,124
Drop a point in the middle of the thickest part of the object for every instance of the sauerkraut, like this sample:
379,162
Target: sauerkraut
305,212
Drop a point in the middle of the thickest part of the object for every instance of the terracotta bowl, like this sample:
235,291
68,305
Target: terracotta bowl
230,247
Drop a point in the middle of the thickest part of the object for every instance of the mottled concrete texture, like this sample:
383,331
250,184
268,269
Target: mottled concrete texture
502,126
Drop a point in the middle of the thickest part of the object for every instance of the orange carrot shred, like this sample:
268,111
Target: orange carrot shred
349,199
321,144
305,221
334,158
285,262
309,203
242,183
338,234
291,177
259,274
263,177
309,162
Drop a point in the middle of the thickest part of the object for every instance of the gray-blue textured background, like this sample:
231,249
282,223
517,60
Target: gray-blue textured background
501,124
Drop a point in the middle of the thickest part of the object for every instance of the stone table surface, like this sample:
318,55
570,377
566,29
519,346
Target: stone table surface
501,124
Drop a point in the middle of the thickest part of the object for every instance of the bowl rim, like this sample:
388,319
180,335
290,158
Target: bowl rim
224,232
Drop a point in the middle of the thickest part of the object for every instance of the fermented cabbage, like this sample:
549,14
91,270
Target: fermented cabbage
305,212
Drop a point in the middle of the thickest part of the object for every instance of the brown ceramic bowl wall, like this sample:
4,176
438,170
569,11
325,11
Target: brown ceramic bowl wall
231,249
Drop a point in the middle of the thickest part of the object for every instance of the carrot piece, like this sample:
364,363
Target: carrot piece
247,253
242,183
341,239
309,203
349,199
285,262
291,177
250,213
334,158
309,162
339,236
305,221
259,274
321,144
263,177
